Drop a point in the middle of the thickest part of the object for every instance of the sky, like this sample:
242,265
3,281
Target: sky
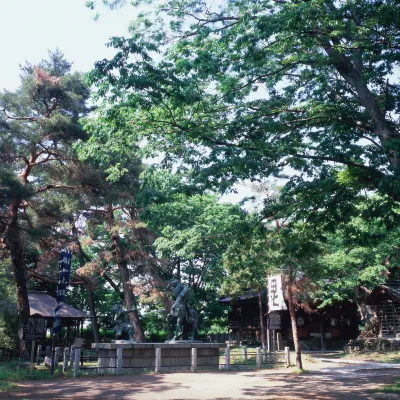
30,28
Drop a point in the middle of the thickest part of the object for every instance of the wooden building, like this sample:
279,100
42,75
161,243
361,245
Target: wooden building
384,300
330,327
42,305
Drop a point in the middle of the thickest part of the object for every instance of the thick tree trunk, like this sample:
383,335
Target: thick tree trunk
293,318
129,297
260,304
92,308
14,245
90,295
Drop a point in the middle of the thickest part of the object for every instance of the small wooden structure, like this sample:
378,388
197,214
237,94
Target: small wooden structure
385,299
42,305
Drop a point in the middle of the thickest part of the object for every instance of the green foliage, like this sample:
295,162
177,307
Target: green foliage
8,309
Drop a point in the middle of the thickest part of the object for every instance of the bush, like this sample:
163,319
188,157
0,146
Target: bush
8,324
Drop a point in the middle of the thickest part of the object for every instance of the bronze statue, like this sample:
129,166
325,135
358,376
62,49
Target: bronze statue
122,323
186,317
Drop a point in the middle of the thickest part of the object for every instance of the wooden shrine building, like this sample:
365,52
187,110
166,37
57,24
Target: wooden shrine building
330,327
42,305
384,300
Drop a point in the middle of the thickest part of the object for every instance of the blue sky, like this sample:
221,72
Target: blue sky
29,28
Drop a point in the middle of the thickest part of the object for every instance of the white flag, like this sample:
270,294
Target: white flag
276,300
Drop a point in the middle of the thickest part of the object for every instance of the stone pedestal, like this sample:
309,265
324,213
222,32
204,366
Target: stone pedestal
141,357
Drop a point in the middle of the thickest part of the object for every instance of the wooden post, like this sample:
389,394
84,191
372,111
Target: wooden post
39,354
287,357
194,359
244,351
321,329
258,357
77,354
273,341
279,340
57,356
32,357
72,356
53,354
66,357
158,360
227,358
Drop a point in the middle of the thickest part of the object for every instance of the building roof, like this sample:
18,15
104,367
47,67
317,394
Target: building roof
389,290
247,296
42,304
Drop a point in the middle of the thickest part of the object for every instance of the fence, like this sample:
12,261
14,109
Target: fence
70,358
252,358
240,358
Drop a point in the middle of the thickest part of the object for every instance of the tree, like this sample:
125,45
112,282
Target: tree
245,262
250,89
193,231
38,123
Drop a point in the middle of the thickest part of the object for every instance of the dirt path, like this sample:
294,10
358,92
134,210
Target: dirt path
323,382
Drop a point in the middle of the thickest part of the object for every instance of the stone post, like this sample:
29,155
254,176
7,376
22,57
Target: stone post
65,361
244,352
258,357
279,340
72,356
194,359
158,360
39,354
48,351
57,356
77,354
264,354
287,357
227,358
119,361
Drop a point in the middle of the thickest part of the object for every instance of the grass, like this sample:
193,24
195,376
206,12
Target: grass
392,388
6,386
374,356
15,371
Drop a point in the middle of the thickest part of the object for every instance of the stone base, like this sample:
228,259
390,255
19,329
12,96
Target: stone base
141,357
183,341
123,341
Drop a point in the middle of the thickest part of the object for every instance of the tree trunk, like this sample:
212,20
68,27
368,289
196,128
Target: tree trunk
129,297
13,243
260,304
293,318
90,295
92,308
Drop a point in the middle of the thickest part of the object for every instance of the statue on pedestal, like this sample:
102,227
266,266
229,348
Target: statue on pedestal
122,323
181,311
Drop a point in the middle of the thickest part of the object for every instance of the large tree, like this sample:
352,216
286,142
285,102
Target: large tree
38,124
254,89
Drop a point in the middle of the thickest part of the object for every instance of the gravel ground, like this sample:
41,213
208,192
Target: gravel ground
322,381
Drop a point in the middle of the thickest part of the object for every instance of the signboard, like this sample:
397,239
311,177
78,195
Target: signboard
276,301
274,321
35,328
64,269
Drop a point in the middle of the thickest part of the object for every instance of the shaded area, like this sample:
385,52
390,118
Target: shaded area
330,383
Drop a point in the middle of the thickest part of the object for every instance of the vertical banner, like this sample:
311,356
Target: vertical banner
276,300
64,269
